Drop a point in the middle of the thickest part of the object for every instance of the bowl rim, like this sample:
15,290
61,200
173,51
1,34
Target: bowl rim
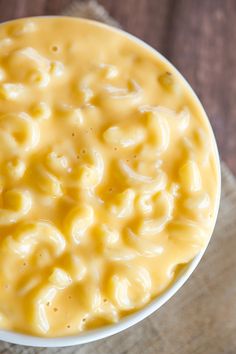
156,303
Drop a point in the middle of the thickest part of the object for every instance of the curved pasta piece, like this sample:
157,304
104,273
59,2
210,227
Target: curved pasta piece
123,203
39,314
72,114
180,119
198,202
77,221
47,182
124,138
28,285
90,174
135,176
146,184
143,278
40,69
152,226
75,267
166,80
44,296
11,91
106,311
19,131
198,207
164,206
198,143
190,177
106,235
34,56
110,71
29,235
15,168
131,288
60,278
117,255
187,232
56,163
143,203
119,291
144,247
84,89
133,90
39,78
183,119
159,132
97,161
95,299
23,28
17,203
56,68
41,111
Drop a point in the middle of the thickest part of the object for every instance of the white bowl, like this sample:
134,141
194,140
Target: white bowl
128,321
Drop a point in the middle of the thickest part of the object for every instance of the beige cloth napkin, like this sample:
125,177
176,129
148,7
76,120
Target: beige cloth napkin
201,317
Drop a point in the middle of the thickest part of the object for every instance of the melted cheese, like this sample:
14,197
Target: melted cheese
108,175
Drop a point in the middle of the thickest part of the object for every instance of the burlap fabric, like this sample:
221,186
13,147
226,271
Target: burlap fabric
201,317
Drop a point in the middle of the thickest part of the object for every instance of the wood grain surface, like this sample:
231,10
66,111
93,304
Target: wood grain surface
197,36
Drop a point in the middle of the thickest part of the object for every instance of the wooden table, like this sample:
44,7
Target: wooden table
198,36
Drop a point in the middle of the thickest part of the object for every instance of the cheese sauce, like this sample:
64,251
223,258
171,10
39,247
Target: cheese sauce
108,176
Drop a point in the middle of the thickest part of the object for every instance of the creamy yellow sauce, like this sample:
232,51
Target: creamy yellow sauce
108,176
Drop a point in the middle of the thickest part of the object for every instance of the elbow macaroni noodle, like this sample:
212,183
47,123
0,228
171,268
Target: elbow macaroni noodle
15,168
29,235
122,206
108,176
47,182
90,173
164,206
77,221
17,204
10,91
18,132
123,138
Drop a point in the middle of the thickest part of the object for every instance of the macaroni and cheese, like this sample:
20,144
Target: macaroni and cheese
108,176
